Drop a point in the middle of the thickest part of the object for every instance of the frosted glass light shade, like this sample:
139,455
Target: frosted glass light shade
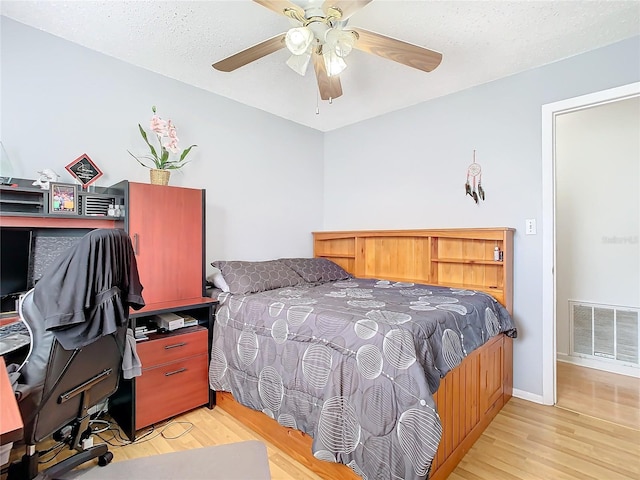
333,63
340,41
344,45
299,63
298,40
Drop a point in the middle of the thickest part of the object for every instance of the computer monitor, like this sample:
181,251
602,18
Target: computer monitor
15,255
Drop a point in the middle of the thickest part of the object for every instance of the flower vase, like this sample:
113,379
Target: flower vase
159,177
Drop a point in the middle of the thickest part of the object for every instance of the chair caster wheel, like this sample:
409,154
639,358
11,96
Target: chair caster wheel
104,460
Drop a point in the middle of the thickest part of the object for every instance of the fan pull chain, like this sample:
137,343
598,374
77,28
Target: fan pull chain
318,103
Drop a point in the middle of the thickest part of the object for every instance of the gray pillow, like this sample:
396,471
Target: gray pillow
314,270
250,277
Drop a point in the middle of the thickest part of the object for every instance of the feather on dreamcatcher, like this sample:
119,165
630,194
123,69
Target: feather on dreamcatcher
474,177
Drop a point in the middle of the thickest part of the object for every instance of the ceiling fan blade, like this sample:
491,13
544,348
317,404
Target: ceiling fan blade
281,6
397,50
329,87
260,50
347,7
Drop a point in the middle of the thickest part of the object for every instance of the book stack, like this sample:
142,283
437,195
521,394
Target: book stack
164,322
189,321
142,331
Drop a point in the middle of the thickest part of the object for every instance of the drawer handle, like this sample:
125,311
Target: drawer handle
175,345
168,374
136,240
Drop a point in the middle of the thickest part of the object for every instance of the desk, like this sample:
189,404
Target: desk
10,419
13,337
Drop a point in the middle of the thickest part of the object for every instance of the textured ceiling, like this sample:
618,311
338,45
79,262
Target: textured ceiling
480,41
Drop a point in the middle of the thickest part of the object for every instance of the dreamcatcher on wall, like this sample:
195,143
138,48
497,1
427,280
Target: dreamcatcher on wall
473,187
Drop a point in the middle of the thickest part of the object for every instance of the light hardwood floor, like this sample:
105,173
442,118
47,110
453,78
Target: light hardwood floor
604,395
531,441
525,441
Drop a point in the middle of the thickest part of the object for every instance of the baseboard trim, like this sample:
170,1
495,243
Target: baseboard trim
604,366
531,397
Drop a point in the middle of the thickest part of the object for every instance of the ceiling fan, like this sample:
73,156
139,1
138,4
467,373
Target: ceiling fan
322,36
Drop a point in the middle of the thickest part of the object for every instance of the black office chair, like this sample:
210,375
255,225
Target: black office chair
77,315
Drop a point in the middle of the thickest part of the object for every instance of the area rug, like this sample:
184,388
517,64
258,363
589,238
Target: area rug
234,461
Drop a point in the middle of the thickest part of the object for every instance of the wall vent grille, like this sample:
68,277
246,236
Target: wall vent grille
93,205
605,332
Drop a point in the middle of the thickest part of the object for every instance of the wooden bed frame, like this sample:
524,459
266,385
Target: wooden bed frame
469,396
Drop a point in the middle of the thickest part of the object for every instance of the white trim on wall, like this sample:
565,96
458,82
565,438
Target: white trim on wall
596,364
524,395
549,113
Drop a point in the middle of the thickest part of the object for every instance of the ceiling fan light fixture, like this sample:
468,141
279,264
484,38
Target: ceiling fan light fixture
341,41
343,48
320,33
333,63
298,40
299,63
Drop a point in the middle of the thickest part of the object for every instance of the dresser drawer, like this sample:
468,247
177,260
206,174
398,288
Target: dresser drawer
159,351
170,389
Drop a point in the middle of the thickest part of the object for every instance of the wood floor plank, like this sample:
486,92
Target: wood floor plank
525,441
545,437
604,395
618,446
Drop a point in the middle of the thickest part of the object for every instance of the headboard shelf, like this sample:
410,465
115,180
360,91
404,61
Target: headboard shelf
335,255
458,258
464,261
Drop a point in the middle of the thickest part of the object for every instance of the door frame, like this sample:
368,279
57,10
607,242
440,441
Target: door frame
549,113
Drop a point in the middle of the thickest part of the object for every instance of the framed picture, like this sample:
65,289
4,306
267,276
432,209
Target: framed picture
63,198
84,170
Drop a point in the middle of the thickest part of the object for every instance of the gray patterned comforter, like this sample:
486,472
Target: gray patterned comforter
352,363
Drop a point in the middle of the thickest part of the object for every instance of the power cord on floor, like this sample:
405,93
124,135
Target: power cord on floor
171,424
117,440
153,432
95,430
60,446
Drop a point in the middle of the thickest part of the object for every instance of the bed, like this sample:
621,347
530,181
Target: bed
390,350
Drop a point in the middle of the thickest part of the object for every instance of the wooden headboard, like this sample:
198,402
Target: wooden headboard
461,257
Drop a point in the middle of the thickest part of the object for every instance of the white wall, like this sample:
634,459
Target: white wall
407,170
402,170
597,209
263,174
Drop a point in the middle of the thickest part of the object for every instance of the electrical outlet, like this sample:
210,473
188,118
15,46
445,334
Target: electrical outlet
530,226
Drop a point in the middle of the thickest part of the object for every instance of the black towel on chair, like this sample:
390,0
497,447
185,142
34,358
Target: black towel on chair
89,267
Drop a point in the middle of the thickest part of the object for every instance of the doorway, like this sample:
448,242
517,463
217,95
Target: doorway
550,113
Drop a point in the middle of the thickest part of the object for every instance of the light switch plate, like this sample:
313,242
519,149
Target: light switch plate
530,226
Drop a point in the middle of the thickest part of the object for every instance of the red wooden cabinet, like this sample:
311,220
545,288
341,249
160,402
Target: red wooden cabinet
166,226
174,376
